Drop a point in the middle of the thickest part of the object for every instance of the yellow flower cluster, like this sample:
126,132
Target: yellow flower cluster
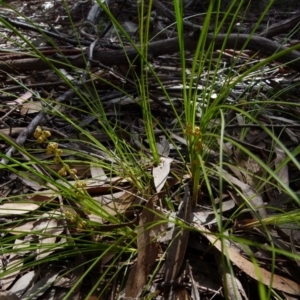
192,132
41,135
75,219
52,148
65,170
195,132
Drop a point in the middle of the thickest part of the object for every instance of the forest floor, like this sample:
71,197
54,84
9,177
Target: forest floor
87,213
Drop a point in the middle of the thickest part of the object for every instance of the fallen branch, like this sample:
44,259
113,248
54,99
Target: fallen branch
130,54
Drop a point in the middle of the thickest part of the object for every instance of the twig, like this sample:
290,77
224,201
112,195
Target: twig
31,128
35,28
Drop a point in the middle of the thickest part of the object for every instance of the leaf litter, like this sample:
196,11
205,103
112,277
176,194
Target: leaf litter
174,243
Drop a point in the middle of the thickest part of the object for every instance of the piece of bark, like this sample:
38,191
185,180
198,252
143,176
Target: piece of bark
148,249
176,251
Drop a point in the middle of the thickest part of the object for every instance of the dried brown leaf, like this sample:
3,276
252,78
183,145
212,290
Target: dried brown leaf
98,173
283,172
33,181
176,251
13,266
31,107
249,193
206,217
276,281
47,230
21,99
23,283
17,208
41,286
148,249
161,172
115,203
163,147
